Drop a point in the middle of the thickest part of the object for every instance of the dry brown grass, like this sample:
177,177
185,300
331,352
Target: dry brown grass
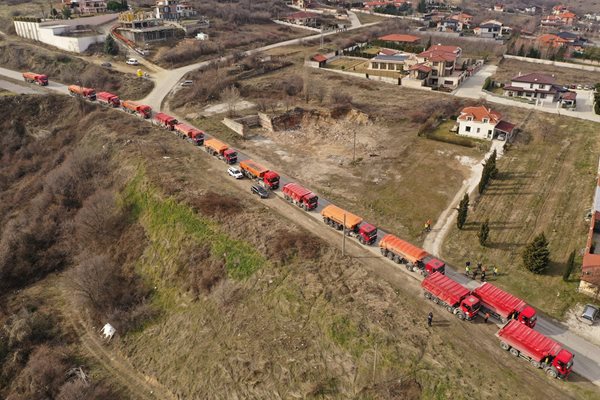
545,184
508,69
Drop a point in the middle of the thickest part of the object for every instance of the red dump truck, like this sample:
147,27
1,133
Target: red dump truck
539,350
80,91
40,79
220,150
415,258
253,170
504,306
108,99
135,108
164,120
450,294
354,226
187,131
300,196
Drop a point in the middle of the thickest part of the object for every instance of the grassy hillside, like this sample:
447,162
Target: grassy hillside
213,294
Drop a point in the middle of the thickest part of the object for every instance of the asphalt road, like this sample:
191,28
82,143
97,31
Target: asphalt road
587,355
18,76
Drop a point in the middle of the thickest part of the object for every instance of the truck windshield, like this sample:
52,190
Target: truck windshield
373,233
313,200
274,180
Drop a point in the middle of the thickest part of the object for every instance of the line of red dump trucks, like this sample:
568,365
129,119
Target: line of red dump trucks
517,335
80,91
487,298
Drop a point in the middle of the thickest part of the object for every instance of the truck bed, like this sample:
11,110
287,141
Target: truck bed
445,288
527,340
411,252
337,214
498,300
216,145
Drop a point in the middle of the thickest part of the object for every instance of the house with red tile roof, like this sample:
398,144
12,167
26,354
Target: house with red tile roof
304,18
441,67
560,16
482,123
551,40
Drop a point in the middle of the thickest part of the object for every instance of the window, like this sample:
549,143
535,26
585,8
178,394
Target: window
541,86
469,118
478,130
485,120
468,129
531,86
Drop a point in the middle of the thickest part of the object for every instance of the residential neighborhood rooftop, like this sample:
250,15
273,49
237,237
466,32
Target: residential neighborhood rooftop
479,113
535,77
399,37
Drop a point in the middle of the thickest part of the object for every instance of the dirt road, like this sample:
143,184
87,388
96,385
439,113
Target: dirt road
17,76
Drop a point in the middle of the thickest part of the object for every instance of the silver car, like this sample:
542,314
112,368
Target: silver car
590,314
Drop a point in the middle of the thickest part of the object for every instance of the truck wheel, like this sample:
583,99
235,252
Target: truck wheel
535,364
436,300
460,315
551,372
407,267
390,255
514,352
361,240
450,309
397,260
384,252
504,346
427,295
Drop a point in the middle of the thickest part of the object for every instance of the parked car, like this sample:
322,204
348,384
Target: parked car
132,61
106,64
187,83
590,314
259,190
501,136
579,87
235,172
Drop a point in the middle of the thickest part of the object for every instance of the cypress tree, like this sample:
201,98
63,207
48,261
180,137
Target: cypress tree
463,209
536,255
484,232
110,46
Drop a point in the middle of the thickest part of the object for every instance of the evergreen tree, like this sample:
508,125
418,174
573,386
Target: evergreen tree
66,12
521,51
536,255
484,232
428,43
422,7
110,46
493,170
463,209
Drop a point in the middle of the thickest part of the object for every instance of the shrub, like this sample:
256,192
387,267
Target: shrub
570,266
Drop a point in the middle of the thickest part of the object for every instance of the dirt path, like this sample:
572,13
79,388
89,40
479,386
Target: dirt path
138,385
434,240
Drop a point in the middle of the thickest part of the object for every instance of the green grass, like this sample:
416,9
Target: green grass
442,134
168,223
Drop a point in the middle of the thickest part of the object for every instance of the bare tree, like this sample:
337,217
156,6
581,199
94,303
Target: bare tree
231,96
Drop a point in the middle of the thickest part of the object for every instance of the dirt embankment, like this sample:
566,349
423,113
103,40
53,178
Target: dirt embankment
69,70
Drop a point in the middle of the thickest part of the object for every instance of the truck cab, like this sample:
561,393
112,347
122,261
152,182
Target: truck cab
528,316
470,306
312,201
367,233
272,179
230,156
563,362
434,265
43,80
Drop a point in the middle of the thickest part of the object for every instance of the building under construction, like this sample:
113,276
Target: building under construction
144,27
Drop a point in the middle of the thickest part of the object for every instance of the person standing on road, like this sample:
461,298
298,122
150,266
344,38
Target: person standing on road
485,317
429,318
468,268
495,271
483,276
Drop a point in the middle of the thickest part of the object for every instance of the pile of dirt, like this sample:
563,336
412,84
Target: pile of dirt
70,70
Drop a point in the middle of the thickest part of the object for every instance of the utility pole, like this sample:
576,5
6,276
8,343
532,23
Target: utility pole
354,146
344,237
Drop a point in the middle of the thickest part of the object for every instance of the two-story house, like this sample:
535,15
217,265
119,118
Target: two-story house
491,29
441,62
482,123
534,86
91,6
174,10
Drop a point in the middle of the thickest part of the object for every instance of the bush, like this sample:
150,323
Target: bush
285,245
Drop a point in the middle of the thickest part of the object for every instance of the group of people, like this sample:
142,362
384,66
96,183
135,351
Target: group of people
480,270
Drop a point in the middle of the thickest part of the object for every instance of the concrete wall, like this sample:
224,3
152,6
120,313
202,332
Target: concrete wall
555,63
50,35
265,121
234,126
589,289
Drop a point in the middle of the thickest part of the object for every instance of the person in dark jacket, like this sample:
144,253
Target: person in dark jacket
429,318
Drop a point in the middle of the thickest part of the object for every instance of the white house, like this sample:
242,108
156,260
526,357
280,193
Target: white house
491,29
478,122
534,86
174,10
